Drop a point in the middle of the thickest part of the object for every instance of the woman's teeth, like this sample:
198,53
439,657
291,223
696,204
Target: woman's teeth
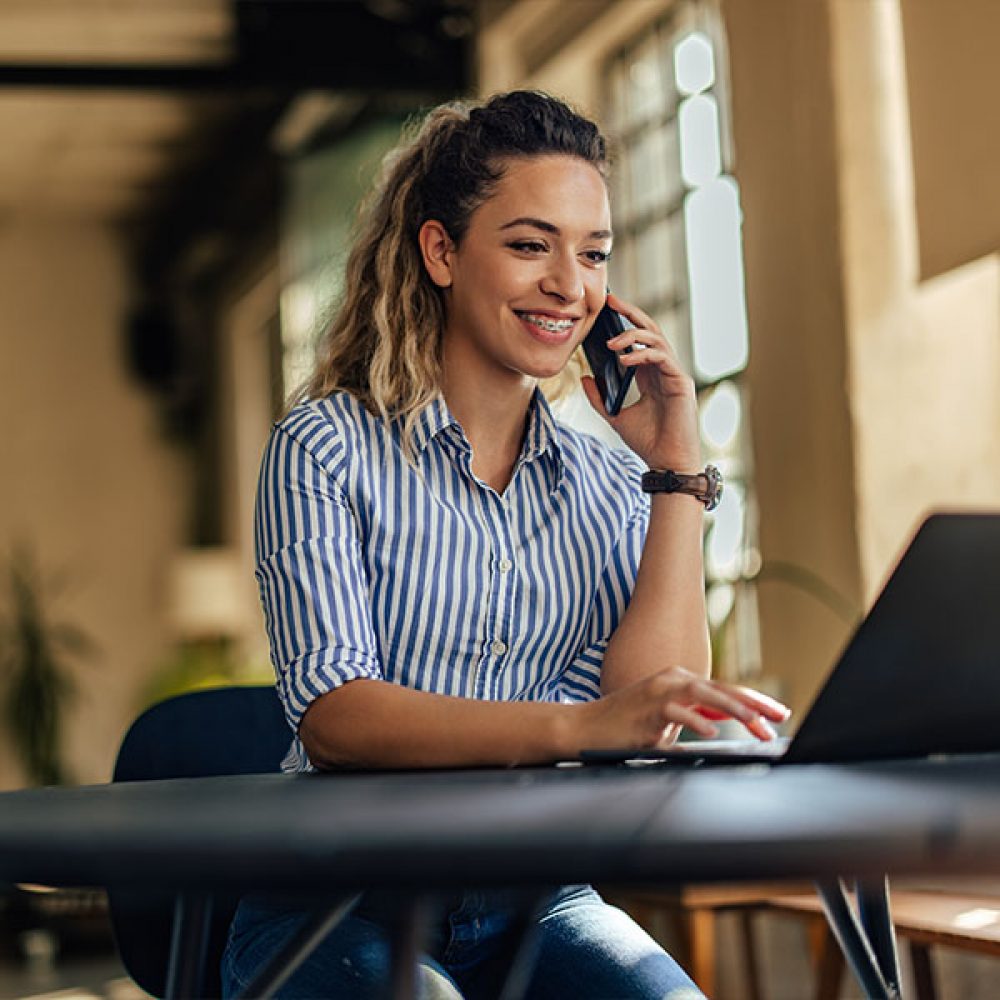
548,324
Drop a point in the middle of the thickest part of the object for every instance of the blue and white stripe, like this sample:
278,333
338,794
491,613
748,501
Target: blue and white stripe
425,576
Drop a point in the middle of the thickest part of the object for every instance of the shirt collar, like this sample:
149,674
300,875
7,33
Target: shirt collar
542,436
543,432
432,419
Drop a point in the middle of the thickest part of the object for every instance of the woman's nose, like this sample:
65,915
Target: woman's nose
564,279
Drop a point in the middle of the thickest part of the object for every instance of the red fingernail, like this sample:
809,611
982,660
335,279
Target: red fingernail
711,713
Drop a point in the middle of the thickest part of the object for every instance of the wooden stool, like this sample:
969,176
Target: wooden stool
923,917
693,909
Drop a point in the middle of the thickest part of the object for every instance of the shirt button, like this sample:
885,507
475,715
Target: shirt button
506,565
498,647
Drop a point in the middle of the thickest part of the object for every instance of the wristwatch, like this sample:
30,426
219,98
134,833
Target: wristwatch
705,486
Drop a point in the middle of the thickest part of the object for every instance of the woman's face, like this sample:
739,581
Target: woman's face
527,281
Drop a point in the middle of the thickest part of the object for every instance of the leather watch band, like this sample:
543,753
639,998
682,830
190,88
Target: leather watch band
704,486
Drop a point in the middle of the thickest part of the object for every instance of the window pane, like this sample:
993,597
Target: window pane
694,64
647,86
715,267
700,149
724,548
621,271
670,157
642,162
618,92
658,264
654,171
674,325
721,418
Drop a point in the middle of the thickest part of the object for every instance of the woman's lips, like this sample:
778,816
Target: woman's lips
548,329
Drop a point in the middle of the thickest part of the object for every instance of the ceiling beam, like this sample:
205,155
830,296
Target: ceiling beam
420,45
367,75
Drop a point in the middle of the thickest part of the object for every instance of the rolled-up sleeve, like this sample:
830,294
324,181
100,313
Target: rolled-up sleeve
581,681
311,576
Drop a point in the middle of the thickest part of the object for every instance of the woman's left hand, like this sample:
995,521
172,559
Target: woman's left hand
662,428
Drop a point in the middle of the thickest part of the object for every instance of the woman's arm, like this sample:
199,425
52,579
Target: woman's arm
371,723
665,623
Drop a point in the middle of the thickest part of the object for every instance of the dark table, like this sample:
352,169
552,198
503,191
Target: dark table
333,835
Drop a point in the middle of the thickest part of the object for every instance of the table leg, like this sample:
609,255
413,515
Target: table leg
876,919
301,946
853,942
407,941
526,930
188,946
923,971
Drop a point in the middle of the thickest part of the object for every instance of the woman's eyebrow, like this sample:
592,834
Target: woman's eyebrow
548,227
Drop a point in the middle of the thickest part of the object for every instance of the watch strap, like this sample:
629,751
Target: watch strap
704,486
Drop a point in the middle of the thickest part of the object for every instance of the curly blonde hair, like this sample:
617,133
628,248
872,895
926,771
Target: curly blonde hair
384,343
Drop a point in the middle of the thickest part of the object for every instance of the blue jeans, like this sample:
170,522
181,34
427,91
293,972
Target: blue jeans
585,950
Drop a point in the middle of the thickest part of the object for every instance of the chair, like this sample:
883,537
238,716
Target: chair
959,916
693,910
232,730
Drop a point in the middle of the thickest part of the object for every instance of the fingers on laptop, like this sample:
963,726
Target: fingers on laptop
653,708
675,713
756,711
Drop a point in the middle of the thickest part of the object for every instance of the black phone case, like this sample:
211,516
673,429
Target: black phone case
612,377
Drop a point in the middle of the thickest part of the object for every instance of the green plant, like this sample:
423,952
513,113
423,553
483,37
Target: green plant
725,643
203,663
190,666
34,669
814,585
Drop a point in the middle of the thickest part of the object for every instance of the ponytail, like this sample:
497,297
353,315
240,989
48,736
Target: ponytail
384,343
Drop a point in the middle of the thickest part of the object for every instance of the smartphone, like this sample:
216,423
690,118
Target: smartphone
612,377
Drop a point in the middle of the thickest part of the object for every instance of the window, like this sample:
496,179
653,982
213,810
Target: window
678,255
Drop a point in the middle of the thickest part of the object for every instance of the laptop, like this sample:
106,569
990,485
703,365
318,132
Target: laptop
920,676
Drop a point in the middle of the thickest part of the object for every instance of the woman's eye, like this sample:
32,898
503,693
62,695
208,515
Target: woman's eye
597,256
528,246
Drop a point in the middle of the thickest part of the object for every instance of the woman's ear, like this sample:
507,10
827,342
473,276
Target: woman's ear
435,248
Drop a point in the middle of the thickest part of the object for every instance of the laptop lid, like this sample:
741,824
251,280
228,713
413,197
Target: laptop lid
921,675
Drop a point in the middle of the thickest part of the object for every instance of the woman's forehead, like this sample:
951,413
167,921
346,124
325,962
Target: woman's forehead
566,187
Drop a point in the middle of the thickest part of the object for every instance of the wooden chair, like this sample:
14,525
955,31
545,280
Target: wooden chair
926,919
692,911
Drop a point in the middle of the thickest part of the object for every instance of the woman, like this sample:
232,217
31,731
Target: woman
450,577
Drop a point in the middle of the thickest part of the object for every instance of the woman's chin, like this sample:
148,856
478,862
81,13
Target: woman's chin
545,368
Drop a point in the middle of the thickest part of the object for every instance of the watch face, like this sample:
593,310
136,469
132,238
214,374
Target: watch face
713,494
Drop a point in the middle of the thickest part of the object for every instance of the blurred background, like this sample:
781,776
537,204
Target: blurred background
804,197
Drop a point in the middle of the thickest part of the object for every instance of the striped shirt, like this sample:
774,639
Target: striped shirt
370,567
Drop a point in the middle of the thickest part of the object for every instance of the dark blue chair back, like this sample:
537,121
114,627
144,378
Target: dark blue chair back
233,730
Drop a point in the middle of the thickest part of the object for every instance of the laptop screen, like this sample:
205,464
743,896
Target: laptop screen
921,674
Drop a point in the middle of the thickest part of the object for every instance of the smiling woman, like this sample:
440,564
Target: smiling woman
525,283
452,578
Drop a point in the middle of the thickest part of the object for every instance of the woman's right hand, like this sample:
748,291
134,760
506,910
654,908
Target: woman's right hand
649,714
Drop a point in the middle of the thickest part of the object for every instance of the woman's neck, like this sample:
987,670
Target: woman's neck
494,419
